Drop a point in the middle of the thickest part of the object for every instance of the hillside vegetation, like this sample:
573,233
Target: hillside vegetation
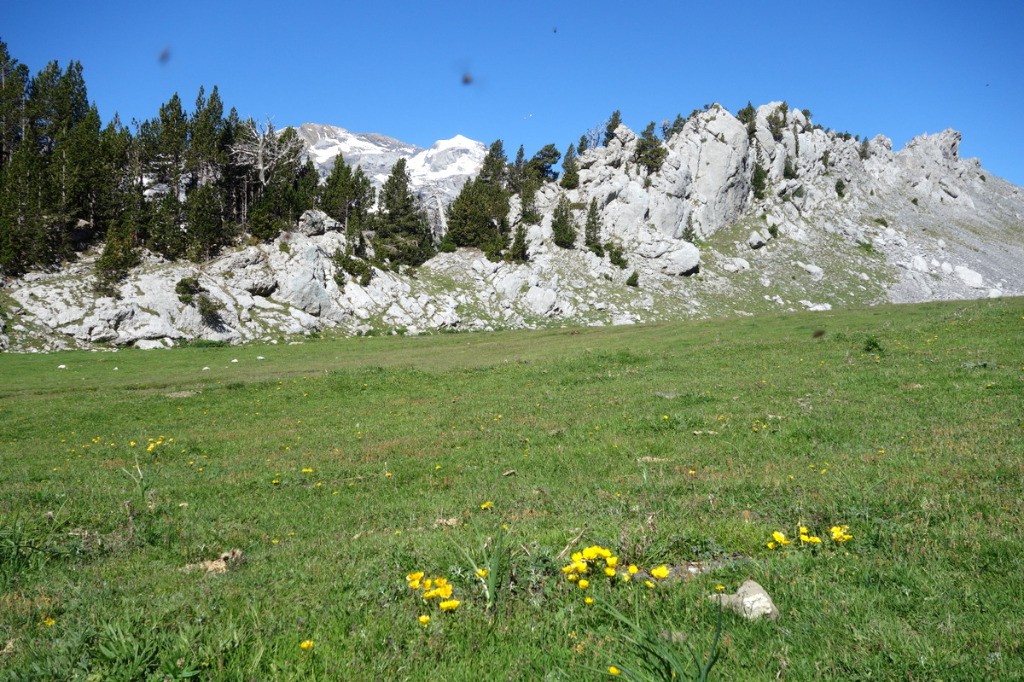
341,468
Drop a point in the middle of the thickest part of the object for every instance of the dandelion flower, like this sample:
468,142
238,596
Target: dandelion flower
388,474
649,584
424,619
719,588
771,545
306,645
49,622
633,570
660,572
588,600
487,505
612,670
307,470
481,573
780,538
612,561
584,584
609,571
449,605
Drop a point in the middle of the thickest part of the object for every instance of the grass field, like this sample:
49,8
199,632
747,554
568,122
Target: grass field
340,467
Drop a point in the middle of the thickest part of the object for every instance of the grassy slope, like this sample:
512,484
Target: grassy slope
917,449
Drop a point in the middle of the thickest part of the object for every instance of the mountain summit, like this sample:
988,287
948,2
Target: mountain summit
436,174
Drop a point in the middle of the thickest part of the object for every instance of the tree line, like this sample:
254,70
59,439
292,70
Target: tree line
186,183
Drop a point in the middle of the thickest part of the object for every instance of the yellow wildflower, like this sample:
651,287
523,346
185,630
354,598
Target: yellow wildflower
612,561
584,584
609,571
612,670
719,588
481,573
660,572
649,584
588,600
449,605
307,470
771,545
633,570
306,645
780,538
487,505
49,622
424,619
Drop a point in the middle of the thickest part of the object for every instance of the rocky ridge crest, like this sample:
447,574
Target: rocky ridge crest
840,222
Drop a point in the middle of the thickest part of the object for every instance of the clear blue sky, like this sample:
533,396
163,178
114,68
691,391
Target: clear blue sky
547,71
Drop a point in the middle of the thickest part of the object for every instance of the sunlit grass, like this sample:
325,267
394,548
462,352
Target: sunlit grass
339,468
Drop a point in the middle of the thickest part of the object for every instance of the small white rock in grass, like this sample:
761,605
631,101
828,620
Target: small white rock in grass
260,357
62,366
206,369
235,360
750,601
116,368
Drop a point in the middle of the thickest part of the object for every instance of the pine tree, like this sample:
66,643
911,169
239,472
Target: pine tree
528,212
517,172
570,169
759,181
171,142
207,154
583,144
518,251
563,224
540,165
592,229
403,235
649,151
614,122
347,196
14,80
748,116
204,213
479,215
668,130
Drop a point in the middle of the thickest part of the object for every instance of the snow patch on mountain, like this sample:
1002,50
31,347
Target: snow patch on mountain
436,174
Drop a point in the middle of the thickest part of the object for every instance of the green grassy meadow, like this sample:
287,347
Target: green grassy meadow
338,467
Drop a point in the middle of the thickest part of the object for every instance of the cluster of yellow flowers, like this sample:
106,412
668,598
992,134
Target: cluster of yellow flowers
154,443
437,588
596,561
840,534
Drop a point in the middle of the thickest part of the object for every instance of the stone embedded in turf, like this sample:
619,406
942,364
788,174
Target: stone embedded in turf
750,601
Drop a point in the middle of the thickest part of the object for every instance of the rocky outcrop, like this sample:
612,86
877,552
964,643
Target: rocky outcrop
839,221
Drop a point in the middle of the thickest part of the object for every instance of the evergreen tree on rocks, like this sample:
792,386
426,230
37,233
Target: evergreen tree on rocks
403,235
650,153
541,164
563,224
347,196
592,229
478,217
613,122
570,169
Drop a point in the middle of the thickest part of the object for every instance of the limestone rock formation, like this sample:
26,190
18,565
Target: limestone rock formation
780,215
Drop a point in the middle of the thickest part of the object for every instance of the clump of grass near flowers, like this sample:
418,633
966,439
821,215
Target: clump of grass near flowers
339,468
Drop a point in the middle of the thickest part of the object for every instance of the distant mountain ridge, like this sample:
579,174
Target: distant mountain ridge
436,174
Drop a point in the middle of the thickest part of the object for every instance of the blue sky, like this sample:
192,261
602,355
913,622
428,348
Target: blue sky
548,71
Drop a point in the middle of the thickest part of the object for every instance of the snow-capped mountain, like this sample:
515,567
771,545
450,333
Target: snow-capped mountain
436,174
